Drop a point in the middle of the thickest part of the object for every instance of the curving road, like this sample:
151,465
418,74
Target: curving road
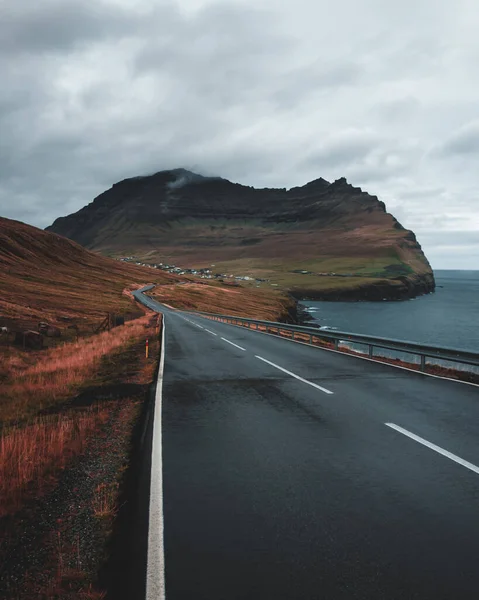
291,472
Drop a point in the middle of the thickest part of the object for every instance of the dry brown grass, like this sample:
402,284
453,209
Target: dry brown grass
29,454
67,569
214,298
58,372
105,499
47,278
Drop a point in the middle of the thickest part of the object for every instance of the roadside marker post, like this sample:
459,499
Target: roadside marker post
146,348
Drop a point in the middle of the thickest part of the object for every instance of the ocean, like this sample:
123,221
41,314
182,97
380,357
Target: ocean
448,318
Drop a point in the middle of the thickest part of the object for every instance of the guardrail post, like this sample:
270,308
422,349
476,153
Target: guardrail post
292,335
371,350
336,344
310,339
423,363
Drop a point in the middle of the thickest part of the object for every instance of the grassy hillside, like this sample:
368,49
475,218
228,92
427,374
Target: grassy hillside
46,277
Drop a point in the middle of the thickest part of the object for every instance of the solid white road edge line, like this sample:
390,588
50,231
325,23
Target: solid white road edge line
212,332
233,344
325,390
155,562
438,449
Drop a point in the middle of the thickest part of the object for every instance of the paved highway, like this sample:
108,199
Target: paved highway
293,472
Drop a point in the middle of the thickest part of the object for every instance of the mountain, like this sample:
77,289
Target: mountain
322,240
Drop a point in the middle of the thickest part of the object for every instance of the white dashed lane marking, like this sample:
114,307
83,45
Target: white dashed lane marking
315,385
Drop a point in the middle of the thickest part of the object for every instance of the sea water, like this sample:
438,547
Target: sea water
448,318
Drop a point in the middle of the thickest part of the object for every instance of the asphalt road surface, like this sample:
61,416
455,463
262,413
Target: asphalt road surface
291,472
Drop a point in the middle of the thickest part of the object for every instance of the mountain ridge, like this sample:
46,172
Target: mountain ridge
192,219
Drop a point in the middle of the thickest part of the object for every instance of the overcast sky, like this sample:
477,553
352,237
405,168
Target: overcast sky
264,92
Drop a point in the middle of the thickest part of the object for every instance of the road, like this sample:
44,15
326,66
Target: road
293,472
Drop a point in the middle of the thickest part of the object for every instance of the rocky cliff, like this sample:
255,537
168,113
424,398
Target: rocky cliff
321,240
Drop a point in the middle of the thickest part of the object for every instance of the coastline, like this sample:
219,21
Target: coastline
400,288
443,318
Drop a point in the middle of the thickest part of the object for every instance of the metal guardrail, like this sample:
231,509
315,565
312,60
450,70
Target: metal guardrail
423,351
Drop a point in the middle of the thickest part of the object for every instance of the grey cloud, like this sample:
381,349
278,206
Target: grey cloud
344,147
463,142
273,96
402,108
59,25
455,254
363,156
418,192
453,237
321,76
219,58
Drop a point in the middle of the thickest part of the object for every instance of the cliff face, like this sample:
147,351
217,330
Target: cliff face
342,238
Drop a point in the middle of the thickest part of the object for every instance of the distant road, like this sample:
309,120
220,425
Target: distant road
291,472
